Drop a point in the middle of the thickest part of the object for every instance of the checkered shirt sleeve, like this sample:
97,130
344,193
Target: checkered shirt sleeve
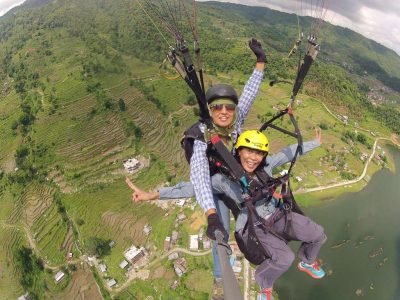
248,96
200,176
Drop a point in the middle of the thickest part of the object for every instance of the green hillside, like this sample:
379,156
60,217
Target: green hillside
81,91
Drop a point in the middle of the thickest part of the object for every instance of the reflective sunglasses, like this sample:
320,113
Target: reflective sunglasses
220,107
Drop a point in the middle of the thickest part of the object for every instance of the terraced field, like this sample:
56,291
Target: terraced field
158,134
81,286
49,233
11,238
92,148
36,210
9,113
126,226
31,205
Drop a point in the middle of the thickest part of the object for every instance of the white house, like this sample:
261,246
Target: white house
133,254
194,242
111,282
103,268
237,266
299,179
123,264
131,165
180,202
206,244
60,275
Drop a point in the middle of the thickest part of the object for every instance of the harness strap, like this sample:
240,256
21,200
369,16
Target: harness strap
234,166
265,225
180,58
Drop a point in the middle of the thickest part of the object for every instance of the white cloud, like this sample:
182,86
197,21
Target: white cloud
375,19
6,5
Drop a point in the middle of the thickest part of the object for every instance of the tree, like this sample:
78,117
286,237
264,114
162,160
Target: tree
29,265
361,138
323,126
97,246
121,104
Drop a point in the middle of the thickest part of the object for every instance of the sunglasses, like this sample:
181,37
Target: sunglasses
220,107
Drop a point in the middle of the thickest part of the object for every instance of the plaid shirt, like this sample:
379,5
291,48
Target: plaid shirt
199,168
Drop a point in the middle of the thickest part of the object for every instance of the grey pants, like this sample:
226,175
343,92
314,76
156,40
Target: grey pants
281,258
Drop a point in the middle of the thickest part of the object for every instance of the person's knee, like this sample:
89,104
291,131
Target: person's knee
321,236
285,259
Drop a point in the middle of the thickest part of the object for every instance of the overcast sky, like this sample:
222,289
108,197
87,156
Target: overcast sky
6,5
376,19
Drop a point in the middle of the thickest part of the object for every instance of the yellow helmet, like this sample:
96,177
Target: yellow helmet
253,139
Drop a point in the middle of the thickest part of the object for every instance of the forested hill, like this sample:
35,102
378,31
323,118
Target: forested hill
358,55
122,27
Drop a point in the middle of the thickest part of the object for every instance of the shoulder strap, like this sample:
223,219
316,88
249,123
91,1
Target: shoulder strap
236,169
194,132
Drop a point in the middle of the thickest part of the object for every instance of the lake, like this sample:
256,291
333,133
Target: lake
362,253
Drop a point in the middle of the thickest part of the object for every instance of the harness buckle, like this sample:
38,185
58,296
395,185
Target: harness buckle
286,206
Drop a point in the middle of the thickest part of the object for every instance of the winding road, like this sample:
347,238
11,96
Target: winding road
347,182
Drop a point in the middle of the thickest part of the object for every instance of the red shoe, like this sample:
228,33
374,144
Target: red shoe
265,294
313,270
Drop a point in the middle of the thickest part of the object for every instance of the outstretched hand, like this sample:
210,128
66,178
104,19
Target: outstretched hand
318,134
140,195
257,49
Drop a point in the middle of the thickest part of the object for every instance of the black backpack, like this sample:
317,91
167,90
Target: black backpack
191,134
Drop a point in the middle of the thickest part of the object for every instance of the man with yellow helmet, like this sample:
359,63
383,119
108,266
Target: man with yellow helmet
252,148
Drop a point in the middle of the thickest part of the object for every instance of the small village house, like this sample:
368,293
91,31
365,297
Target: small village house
60,275
134,254
194,242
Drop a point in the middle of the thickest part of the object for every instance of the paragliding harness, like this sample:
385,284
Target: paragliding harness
267,186
247,239
222,160
253,191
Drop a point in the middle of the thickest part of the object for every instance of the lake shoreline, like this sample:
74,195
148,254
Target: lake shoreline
319,195
361,251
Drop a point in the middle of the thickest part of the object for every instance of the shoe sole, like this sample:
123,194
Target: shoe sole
308,272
